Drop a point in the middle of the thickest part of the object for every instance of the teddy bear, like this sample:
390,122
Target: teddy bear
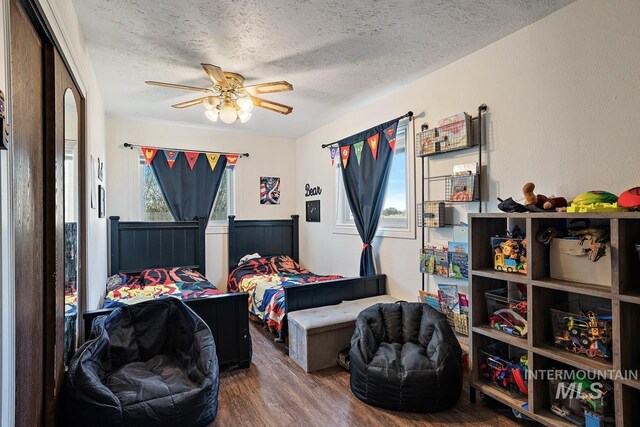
541,201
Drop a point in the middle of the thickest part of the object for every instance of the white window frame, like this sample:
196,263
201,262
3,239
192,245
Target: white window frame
343,220
213,226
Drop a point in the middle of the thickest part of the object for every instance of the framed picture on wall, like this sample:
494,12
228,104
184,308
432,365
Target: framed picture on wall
102,199
313,211
100,170
269,190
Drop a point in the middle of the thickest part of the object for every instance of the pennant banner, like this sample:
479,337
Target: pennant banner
390,135
333,151
357,147
149,154
213,159
372,141
232,159
344,153
192,157
171,157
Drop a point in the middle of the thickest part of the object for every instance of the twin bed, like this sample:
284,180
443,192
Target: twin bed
168,258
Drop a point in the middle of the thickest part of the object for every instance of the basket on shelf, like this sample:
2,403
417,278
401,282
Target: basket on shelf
506,368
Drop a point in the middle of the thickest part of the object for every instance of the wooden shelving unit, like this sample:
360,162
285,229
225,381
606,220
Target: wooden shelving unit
544,293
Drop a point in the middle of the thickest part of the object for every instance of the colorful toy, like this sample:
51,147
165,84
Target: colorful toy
582,401
506,373
541,201
588,334
510,255
596,201
630,198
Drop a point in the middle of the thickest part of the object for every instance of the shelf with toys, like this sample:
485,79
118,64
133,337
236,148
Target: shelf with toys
579,322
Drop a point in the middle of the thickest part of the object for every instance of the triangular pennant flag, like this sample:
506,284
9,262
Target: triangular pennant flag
171,157
333,151
213,159
192,157
357,147
232,159
344,153
373,144
149,154
390,136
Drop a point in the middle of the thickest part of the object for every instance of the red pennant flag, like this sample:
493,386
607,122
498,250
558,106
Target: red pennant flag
232,159
171,157
344,153
390,136
192,157
149,154
373,144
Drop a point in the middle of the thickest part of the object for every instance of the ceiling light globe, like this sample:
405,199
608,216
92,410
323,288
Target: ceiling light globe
245,103
244,116
228,114
212,115
210,103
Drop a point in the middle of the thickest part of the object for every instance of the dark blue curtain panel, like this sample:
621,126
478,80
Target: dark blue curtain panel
366,162
189,193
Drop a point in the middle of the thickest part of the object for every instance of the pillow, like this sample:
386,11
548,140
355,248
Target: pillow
166,276
117,280
249,257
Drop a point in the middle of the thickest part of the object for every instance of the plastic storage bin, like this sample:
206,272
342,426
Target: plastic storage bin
583,330
509,255
507,311
581,400
506,368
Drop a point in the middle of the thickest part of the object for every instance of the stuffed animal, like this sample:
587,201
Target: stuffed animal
541,201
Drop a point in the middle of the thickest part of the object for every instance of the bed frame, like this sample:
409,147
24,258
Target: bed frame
280,237
136,246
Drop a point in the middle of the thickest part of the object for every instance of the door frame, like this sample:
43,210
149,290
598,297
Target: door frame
40,18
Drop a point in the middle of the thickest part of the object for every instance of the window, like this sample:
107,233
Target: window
396,219
154,207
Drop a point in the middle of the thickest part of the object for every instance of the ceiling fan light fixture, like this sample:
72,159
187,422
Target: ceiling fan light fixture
228,113
212,115
244,116
211,103
245,103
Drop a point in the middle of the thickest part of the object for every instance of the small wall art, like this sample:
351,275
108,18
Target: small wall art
269,190
102,199
313,211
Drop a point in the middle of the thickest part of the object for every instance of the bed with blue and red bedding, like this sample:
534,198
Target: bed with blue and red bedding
275,280
265,280
151,260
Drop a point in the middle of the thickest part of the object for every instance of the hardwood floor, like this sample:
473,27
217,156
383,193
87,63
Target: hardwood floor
275,391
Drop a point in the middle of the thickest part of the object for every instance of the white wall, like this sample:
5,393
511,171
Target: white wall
63,15
268,157
563,95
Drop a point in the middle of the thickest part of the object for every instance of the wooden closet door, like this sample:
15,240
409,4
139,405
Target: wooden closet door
27,103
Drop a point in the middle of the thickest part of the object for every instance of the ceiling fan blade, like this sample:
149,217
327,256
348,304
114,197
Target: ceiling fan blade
216,75
190,103
183,87
271,87
270,105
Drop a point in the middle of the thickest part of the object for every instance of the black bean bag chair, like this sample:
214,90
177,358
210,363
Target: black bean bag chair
149,364
404,356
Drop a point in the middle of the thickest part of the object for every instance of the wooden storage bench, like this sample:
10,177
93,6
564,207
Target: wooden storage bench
317,335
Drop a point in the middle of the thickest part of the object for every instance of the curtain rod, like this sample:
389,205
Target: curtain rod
409,114
128,145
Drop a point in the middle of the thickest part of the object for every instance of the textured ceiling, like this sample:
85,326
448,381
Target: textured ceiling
337,54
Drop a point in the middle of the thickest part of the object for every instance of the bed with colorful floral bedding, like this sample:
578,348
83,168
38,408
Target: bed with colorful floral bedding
177,282
264,279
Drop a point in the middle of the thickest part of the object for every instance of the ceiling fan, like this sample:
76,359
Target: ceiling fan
228,98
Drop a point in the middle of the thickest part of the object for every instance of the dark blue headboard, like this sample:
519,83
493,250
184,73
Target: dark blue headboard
136,246
268,237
